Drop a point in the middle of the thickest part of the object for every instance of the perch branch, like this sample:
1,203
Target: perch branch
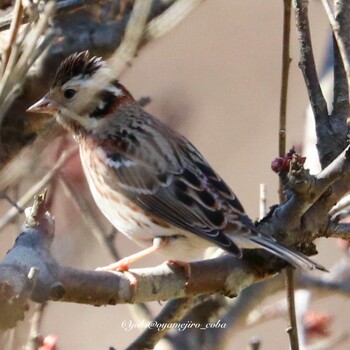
31,250
226,275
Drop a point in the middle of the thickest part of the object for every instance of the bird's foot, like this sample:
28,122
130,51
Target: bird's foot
117,266
120,266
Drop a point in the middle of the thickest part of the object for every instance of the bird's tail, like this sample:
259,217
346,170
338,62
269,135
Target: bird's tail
293,257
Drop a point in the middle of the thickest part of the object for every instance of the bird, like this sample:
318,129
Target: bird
149,181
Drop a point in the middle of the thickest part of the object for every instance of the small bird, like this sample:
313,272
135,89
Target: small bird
149,181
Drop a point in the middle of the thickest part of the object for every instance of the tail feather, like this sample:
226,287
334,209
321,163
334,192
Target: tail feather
293,257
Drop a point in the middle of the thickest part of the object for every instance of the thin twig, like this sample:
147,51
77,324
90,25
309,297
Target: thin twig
96,228
171,313
4,195
339,230
343,49
169,19
293,330
284,81
330,342
293,334
140,312
15,23
34,332
21,166
127,49
282,132
132,38
13,79
341,205
262,202
89,216
39,186
61,7
317,100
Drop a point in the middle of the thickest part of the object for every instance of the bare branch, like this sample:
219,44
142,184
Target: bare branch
18,65
18,10
21,166
226,274
89,217
317,100
307,189
132,38
293,329
344,203
33,338
337,230
39,186
62,6
171,313
343,48
103,39
330,342
262,201
169,19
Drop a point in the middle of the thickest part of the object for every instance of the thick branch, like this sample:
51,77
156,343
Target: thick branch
171,313
226,275
307,190
337,230
327,146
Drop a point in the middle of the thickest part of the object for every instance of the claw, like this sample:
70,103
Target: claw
121,267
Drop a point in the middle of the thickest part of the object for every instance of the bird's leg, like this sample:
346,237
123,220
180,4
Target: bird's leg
123,264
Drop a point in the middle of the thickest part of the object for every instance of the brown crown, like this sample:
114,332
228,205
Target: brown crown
74,65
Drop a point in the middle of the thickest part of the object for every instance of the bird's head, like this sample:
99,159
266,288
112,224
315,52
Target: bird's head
83,95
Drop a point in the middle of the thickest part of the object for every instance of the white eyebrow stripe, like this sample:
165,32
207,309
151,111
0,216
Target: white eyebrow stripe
73,81
116,91
78,80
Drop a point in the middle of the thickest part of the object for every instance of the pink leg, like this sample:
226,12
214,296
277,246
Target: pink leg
123,264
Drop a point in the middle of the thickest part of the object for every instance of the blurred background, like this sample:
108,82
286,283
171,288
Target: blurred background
216,79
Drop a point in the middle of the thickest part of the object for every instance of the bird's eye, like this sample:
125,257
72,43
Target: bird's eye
69,93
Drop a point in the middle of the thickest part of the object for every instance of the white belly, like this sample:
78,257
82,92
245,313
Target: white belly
133,222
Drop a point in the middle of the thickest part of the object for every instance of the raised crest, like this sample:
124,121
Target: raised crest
75,65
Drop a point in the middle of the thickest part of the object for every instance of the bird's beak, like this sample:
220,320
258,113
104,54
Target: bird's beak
45,105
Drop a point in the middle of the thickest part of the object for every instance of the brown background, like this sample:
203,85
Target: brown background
215,78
